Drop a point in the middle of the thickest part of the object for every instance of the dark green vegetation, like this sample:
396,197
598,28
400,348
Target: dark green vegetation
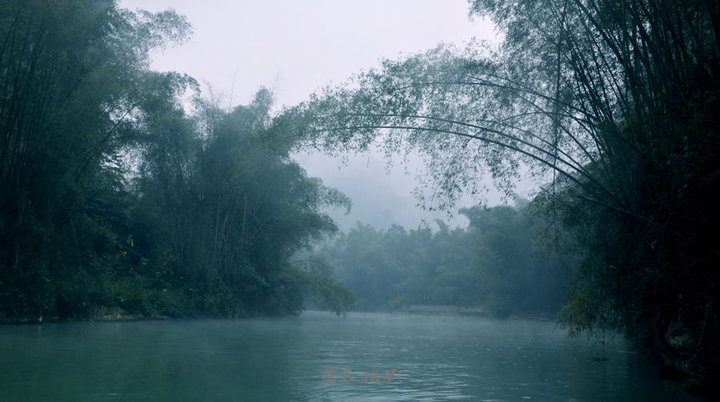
615,102
497,264
113,198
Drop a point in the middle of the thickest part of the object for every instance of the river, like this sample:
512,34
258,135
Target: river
321,357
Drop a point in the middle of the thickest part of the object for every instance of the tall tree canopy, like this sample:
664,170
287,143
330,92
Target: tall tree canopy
615,103
71,78
114,198
229,210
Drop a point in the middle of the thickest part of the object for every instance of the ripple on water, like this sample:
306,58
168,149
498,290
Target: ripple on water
434,358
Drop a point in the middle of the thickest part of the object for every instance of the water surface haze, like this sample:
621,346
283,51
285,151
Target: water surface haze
321,357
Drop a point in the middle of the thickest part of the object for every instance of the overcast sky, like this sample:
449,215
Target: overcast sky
295,47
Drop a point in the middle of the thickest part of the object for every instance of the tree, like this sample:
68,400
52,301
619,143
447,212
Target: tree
613,103
70,76
114,197
232,210
493,264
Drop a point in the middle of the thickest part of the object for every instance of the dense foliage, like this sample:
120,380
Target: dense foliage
114,199
614,104
112,195
499,264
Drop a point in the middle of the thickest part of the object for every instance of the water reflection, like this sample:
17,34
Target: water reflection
293,359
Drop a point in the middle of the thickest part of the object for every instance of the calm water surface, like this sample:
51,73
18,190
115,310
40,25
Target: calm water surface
320,357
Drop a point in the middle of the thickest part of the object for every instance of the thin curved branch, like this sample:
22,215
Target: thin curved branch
568,175
575,165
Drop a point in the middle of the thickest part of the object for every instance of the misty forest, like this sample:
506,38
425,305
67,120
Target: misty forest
133,200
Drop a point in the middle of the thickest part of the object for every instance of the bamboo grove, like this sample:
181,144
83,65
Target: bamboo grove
123,191
612,105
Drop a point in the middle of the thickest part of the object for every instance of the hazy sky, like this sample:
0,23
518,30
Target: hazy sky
295,47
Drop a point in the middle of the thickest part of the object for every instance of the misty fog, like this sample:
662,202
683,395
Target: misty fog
311,200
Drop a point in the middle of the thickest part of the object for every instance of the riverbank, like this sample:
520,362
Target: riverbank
452,310
99,313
